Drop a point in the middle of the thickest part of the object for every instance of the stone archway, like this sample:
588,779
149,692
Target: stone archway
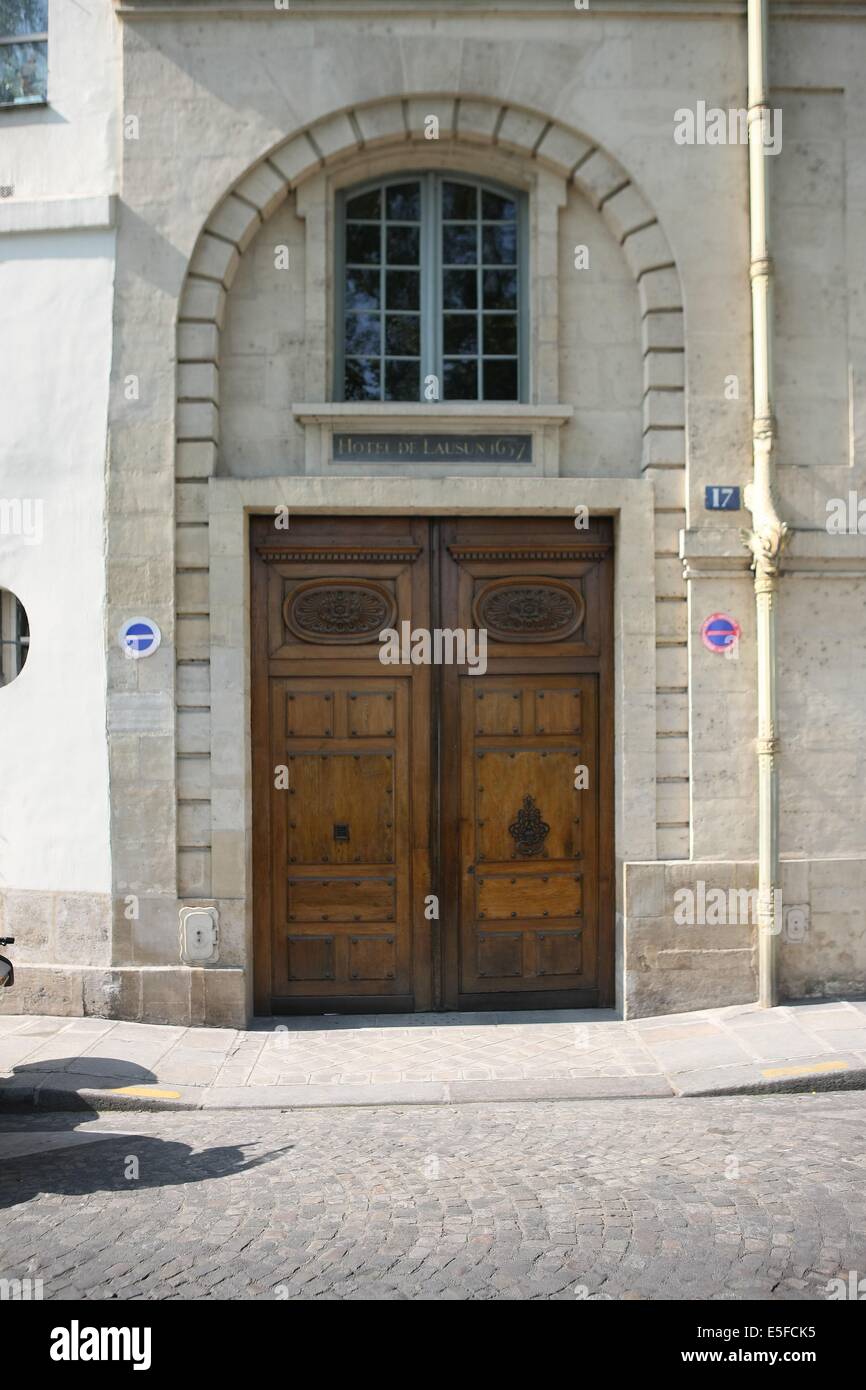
607,186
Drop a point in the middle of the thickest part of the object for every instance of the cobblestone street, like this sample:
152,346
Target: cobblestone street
715,1198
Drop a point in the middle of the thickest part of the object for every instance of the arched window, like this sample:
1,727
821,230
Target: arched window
431,290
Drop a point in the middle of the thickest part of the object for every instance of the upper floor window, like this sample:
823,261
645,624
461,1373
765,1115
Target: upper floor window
23,52
431,291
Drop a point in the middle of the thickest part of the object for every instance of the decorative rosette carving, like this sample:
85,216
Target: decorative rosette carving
529,610
338,610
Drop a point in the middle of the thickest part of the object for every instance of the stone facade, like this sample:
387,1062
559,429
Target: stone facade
236,126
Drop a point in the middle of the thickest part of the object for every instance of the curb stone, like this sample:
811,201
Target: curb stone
853,1080
18,1098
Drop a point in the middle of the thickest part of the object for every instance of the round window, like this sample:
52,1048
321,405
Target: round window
14,636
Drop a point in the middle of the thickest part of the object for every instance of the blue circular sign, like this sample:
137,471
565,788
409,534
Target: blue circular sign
139,637
719,632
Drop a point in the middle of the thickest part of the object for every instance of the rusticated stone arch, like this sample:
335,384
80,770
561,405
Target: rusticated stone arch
604,182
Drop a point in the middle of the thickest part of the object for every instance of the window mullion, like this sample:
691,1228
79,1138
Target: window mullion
479,302
24,38
523,253
383,270
339,386
431,253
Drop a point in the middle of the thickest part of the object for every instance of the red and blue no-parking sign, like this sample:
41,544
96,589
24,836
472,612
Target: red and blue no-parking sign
720,632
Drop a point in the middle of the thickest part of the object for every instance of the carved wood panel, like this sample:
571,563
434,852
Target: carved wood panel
530,609
338,610
525,803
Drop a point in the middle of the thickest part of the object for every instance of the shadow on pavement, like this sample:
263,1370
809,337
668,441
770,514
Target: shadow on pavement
112,1162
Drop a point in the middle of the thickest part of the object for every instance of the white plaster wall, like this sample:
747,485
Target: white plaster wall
55,336
55,355
68,148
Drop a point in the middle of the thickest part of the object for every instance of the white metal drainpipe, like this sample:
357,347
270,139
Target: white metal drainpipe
769,534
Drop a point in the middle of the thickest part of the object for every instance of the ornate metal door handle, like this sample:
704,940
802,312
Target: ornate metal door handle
529,831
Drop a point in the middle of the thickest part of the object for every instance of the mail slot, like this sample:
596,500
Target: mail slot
341,831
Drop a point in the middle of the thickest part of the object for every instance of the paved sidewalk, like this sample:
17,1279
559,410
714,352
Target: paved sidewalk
90,1063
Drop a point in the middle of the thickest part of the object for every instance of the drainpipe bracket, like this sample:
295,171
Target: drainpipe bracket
761,266
767,747
767,544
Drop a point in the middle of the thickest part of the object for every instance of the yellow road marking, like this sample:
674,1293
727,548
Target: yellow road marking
145,1091
805,1071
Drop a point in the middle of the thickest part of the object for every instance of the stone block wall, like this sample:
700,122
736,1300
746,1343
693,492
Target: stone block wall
673,966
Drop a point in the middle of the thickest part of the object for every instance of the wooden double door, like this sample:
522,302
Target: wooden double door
434,830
